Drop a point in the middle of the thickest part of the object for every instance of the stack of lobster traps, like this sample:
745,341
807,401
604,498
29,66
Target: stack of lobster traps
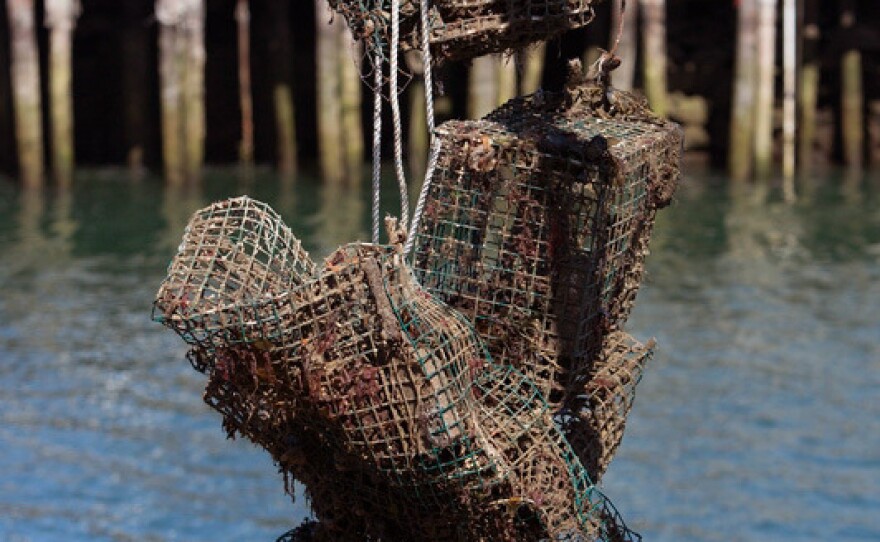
477,387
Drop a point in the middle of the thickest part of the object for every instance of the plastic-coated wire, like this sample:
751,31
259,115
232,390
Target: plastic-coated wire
377,140
393,91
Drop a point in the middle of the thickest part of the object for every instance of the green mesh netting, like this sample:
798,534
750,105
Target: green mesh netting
377,396
536,227
476,392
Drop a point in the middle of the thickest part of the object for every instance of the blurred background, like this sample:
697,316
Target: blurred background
168,85
758,418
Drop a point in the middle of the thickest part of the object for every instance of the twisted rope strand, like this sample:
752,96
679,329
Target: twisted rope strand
423,196
429,110
393,90
377,139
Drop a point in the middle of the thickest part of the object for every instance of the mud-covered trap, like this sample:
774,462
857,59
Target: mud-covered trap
475,389
464,29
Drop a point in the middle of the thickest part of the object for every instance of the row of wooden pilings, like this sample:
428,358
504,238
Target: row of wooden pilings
492,80
182,93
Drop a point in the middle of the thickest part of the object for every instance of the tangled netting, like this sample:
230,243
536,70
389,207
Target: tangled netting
464,29
476,391
536,229
377,396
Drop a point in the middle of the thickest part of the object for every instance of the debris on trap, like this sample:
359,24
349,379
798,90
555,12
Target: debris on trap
464,29
380,398
476,391
536,227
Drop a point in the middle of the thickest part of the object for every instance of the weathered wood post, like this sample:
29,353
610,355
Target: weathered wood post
624,22
331,159
350,95
25,72
282,90
789,95
194,55
506,76
482,87
181,71
61,18
245,97
654,54
417,132
809,83
852,98
135,52
168,14
742,122
763,139
533,68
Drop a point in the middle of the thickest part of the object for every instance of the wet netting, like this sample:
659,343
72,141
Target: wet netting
536,228
379,397
471,379
464,29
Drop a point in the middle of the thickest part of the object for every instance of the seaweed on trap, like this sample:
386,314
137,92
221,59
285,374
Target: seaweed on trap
475,393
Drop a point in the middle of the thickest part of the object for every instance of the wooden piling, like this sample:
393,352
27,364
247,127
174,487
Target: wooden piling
350,95
417,131
809,83
172,114
624,24
789,95
328,81
135,81
766,49
61,18
25,77
245,96
506,77
194,88
742,120
482,87
181,73
533,68
852,98
654,54
282,90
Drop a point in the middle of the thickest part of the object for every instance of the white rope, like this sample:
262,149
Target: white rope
427,66
393,90
429,114
377,139
423,196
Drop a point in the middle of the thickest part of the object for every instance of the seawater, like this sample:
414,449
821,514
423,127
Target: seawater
757,419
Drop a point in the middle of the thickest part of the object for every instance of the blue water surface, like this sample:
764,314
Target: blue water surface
758,419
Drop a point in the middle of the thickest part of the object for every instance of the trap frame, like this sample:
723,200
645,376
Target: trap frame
464,29
356,369
536,227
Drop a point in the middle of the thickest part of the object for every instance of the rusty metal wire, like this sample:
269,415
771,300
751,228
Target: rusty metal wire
464,29
476,392
536,228
378,397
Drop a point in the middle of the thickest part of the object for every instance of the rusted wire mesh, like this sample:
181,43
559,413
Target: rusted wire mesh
377,396
538,221
464,29
593,414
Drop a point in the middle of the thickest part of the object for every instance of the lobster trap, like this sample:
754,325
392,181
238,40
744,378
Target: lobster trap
537,224
380,398
464,29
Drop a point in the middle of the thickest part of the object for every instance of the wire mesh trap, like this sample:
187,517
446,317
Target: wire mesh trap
381,399
464,29
536,227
